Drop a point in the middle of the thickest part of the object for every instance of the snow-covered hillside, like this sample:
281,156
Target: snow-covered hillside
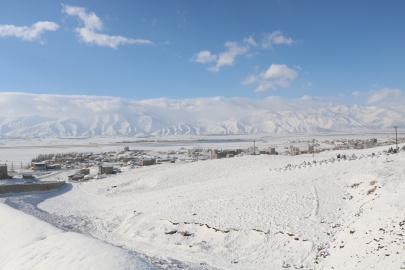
29,243
251,212
67,116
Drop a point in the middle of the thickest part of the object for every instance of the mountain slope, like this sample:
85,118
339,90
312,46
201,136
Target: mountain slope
314,120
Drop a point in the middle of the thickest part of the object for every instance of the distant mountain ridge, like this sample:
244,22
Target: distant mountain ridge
334,118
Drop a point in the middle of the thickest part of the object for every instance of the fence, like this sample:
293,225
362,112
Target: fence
41,186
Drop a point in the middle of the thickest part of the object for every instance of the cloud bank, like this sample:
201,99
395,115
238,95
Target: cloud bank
31,115
182,110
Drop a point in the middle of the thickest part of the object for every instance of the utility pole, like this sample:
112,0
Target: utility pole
254,147
313,149
396,138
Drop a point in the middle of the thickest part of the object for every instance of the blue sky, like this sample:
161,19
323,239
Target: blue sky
188,49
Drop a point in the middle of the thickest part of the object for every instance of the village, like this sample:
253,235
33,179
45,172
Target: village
89,165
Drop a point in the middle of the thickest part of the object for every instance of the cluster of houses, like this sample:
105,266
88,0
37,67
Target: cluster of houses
112,162
105,163
309,149
341,144
361,144
216,154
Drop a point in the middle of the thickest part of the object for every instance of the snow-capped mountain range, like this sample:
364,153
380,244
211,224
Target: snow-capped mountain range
164,117
142,125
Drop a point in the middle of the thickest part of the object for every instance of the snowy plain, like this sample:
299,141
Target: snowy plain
251,212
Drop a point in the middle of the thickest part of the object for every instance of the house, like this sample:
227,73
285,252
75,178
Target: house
39,166
53,167
3,171
105,170
84,171
28,176
147,161
216,156
76,177
293,150
309,148
88,177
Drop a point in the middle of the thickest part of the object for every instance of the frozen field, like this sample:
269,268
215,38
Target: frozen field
249,212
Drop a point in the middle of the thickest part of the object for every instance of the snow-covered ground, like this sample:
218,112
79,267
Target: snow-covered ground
29,243
251,212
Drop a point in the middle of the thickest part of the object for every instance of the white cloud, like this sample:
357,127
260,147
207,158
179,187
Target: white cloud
308,84
92,23
279,71
357,93
204,57
276,75
298,67
15,104
263,85
31,33
227,58
90,20
154,22
375,95
249,80
250,40
250,55
275,38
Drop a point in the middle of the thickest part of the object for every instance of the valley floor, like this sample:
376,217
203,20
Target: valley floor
251,212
